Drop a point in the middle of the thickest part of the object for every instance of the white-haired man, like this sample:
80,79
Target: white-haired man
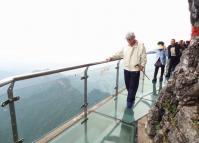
134,56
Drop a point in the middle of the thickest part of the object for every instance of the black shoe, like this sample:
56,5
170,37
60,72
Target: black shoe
154,80
161,79
167,75
129,105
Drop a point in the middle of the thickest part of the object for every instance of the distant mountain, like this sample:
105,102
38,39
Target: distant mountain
98,94
48,101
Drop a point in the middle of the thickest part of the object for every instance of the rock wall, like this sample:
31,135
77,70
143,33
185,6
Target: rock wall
174,118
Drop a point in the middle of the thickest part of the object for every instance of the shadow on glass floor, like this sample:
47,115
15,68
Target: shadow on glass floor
116,108
129,123
126,133
120,132
152,96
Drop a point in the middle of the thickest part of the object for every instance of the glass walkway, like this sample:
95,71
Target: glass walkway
81,104
110,123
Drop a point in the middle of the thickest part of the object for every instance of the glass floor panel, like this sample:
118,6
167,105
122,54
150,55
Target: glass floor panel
153,93
98,129
110,123
117,109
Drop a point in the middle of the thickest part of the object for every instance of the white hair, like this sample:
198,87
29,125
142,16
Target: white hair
130,35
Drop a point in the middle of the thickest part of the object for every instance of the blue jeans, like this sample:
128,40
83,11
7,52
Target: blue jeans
131,81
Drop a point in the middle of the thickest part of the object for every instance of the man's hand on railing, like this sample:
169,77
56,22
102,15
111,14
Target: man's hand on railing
141,68
109,59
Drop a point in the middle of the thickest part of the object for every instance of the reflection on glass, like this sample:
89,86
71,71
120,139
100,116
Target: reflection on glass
160,86
154,89
128,115
116,103
101,82
126,132
86,132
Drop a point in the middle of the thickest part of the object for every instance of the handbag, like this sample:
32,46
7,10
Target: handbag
158,63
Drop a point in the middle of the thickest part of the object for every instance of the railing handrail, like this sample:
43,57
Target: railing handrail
11,79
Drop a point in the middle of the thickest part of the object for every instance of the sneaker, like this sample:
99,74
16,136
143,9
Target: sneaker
154,80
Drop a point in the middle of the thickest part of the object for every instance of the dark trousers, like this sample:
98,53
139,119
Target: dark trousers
172,64
156,71
131,81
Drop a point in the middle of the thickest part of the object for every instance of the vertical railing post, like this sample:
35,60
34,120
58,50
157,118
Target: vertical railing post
85,105
10,101
116,87
117,78
143,77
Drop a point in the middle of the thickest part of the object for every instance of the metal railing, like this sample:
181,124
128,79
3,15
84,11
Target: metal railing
12,99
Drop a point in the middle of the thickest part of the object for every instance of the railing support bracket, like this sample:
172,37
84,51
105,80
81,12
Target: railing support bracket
20,141
10,101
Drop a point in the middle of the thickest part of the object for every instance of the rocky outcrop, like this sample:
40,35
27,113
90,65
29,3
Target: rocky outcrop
175,116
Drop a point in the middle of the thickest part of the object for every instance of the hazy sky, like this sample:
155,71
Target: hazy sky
46,33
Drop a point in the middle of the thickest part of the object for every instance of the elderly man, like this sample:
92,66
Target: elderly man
134,56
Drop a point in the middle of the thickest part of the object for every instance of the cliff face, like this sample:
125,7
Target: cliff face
175,116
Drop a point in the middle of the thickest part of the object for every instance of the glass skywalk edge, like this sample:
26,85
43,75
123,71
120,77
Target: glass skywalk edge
98,132
123,117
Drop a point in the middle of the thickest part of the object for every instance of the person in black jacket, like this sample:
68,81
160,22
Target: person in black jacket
173,57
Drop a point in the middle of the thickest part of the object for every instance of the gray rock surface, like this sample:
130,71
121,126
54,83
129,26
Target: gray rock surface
175,116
